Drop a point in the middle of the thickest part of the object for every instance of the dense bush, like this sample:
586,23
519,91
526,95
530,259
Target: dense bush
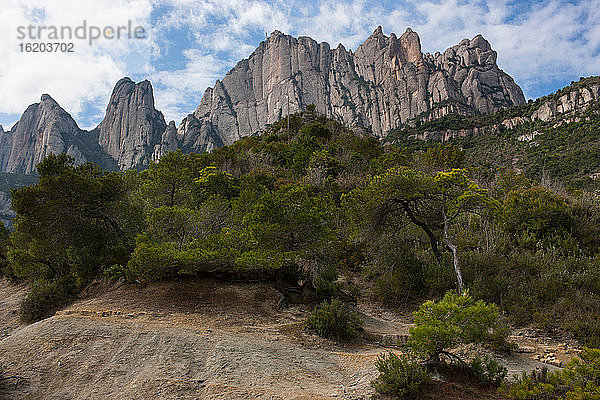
335,320
400,377
44,297
4,243
536,216
545,288
579,380
488,370
288,204
456,319
75,222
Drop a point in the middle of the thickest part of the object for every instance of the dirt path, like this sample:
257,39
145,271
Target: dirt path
191,340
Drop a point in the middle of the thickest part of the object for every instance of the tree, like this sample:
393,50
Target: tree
433,202
76,221
537,213
443,157
456,319
4,242
211,182
169,181
293,226
73,221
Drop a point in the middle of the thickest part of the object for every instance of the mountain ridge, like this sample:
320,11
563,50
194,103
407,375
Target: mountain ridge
386,82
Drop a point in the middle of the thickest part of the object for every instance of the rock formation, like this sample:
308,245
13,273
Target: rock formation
132,126
44,128
385,83
569,103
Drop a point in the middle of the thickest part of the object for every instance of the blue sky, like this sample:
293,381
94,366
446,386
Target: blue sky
544,45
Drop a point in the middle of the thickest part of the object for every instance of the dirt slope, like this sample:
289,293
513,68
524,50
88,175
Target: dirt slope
194,340
183,341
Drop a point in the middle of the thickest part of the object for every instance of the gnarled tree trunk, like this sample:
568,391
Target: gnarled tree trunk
454,249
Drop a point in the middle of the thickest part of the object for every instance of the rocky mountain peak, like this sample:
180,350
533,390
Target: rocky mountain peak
46,99
480,42
386,82
411,46
44,128
378,32
132,126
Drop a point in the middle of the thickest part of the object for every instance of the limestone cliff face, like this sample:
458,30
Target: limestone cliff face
570,103
132,126
44,128
386,82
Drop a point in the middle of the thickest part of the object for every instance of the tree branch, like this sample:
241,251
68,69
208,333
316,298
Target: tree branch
433,240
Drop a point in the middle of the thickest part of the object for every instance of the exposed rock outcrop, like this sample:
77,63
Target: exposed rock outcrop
44,128
386,82
132,126
571,102
567,105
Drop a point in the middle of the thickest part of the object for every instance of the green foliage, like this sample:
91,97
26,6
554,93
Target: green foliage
70,225
73,221
116,272
431,202
316,130
443,157
488,370
170,181
301,150
542,287
45,296
212,182
579,380
314,201
508,181
334,320
400,377
536,215
4,243
456,319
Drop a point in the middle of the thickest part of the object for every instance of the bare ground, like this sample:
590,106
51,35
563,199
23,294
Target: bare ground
200,339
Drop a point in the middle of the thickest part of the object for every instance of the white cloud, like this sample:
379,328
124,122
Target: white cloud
73,79
176,90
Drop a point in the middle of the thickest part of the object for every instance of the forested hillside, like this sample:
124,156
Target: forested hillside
555,136
326,214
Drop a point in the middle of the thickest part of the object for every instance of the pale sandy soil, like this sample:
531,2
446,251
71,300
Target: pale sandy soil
193,340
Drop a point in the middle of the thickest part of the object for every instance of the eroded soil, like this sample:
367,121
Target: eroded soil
202,339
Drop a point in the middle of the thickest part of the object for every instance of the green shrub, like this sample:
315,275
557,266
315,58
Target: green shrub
400,377
44,297
579,380
454,320
153,261
116,273
488,370
336,321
